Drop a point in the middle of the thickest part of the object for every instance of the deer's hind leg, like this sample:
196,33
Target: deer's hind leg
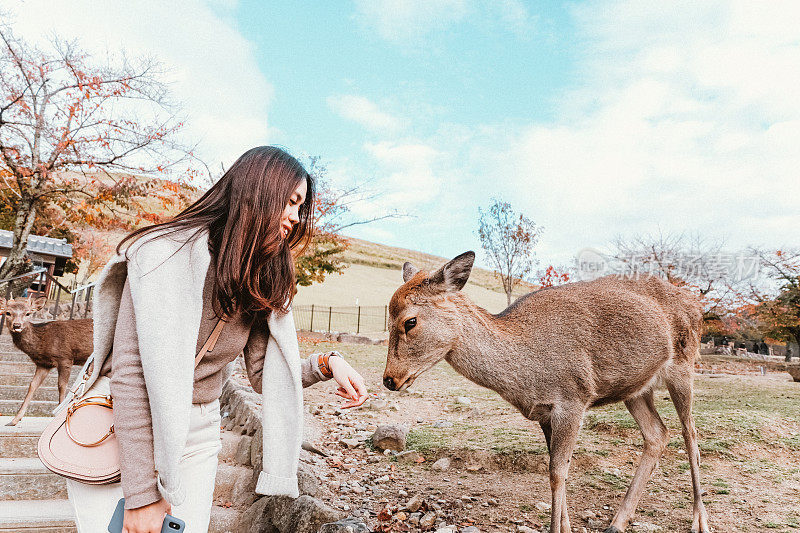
38,377
680,386
64,370
656,438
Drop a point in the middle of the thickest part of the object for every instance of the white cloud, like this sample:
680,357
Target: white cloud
364,112
212,67
406,177
514,15
408,22
686,121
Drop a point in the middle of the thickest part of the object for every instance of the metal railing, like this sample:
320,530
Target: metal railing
350,319
77,294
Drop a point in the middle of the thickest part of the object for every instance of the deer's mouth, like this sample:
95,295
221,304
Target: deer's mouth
407,383
16,329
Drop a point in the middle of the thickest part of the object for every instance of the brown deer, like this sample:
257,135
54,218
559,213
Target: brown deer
56,344
556,352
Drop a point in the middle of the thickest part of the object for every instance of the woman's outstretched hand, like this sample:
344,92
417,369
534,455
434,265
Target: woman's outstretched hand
147,519
351,384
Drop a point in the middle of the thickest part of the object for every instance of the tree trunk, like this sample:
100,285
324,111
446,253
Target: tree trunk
795,332
17,261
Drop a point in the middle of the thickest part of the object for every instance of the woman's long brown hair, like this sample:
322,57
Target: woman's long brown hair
253,264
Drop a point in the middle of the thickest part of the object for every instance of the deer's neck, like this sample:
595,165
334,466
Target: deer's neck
484,353
26,340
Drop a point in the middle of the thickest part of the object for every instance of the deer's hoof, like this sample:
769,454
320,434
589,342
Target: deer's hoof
12,423
613,529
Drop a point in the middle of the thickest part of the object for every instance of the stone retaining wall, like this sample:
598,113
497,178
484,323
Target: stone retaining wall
241,410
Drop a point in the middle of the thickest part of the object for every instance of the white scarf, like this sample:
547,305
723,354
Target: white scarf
166,276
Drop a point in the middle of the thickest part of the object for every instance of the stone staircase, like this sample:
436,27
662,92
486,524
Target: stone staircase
34,499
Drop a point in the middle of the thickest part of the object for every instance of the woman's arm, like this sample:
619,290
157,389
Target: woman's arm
351,384
132,421
254,361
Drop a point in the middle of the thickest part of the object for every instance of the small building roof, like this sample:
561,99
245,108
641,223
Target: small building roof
38,244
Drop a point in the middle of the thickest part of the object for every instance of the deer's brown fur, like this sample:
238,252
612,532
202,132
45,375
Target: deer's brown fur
58,344
555,353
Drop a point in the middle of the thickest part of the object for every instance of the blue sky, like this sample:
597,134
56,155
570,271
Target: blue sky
596,119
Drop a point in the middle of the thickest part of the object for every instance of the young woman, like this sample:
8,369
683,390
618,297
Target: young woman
228,256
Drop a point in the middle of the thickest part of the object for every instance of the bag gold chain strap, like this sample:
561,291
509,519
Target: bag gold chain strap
102,401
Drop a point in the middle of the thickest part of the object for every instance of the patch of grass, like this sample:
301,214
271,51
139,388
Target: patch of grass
721,486
793,442
721,446
427,440
504,440
609,418
619,482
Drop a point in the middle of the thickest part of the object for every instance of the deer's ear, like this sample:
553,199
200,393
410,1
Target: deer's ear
454,275
409,271
39,303
3,303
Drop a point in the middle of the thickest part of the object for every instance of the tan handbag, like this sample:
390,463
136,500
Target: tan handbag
80,444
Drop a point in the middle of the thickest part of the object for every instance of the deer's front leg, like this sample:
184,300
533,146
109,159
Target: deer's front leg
565,422
36,382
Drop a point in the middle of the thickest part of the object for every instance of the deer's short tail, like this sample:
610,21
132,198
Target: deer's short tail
687,325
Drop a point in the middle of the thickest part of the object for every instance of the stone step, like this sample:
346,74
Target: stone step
21,440
27,368
19,357
231,481
12,357
35,408
18,392
24,379
42,516
56,516
230,443
224,519
28,479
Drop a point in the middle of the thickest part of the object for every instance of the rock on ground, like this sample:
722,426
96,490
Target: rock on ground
390,437
346,525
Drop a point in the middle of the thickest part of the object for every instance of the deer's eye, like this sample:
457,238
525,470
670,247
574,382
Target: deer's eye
28,313
8,314
410,323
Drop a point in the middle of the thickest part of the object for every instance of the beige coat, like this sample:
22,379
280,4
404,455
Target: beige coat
166,279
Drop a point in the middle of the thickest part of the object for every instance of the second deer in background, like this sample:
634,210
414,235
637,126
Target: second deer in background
57,344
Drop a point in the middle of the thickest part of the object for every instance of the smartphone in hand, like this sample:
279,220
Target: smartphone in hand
171,524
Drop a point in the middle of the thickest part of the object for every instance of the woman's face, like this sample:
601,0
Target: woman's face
290,213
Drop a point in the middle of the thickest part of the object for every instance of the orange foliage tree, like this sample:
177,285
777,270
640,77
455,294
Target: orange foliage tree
778,306
552,276
83,144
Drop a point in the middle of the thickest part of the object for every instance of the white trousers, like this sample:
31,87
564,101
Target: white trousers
94,504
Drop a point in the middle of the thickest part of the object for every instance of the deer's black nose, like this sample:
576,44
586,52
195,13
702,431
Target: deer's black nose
389,383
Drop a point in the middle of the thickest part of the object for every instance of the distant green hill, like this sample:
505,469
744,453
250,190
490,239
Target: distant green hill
374,273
